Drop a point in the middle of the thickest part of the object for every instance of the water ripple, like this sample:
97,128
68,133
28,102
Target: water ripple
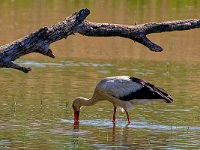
135,124
63,64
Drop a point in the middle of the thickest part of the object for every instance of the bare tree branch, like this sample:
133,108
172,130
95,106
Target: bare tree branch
40,40
137,33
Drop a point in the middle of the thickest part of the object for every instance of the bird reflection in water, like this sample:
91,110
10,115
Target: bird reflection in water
75,138
118,137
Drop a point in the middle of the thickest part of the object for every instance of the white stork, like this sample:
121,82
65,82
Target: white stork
121,91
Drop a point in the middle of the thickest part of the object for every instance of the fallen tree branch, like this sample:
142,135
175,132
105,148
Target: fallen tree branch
40,40
137,33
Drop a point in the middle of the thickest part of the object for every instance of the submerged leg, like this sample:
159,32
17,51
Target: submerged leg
127,115
114,115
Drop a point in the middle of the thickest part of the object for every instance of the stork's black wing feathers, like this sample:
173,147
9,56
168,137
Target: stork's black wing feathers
148,91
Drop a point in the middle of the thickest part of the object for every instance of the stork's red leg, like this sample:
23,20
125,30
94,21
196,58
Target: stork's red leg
114,114
127,115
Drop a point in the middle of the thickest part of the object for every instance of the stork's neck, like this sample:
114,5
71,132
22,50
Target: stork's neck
87,102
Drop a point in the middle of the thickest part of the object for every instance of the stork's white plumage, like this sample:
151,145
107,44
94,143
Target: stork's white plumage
121,91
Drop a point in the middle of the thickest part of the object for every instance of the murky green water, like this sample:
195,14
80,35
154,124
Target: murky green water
35,108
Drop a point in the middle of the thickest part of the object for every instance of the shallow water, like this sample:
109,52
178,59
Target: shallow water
35,108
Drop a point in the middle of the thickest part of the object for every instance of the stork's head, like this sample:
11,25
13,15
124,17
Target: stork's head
76,106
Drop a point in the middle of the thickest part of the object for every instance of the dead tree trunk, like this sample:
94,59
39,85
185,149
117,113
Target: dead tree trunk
40,40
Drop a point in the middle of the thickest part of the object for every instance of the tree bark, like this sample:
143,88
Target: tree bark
40,40
137,33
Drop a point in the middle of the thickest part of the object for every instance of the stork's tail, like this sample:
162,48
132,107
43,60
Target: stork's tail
167,98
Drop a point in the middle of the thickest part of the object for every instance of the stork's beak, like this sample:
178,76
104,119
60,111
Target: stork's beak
76,116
